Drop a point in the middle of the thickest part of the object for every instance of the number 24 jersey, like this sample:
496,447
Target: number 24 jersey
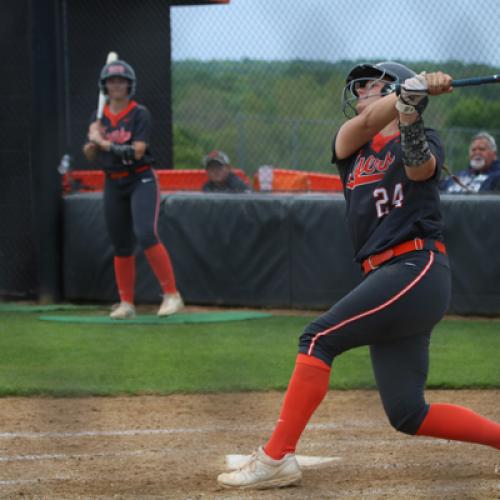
383,206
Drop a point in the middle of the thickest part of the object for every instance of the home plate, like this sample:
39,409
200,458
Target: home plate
234,462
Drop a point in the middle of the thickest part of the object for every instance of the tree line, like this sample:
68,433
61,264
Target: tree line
284,113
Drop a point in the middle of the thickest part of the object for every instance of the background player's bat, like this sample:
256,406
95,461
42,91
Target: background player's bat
112,56
467,82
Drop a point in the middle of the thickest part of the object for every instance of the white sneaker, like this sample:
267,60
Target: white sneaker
172,302
123,310
262,472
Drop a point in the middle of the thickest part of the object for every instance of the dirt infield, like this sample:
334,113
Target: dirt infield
174,447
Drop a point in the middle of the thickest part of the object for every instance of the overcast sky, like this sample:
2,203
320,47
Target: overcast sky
331,30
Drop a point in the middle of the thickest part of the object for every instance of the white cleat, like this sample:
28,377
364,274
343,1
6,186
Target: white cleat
172,303
123,310
262,472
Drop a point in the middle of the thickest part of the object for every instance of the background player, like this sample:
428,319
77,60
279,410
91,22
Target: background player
119,142
390,167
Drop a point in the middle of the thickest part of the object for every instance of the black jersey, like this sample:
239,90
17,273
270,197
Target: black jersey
383,206
131,124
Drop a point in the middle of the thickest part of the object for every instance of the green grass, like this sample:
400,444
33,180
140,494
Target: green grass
62,359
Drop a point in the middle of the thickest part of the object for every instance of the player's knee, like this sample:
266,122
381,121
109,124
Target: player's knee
406,419
146,239
320,349
309,335
305,338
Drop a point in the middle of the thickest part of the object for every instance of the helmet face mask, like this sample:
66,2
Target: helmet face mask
121,69
364,75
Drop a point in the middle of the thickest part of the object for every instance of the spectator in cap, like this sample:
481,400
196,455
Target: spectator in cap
220,177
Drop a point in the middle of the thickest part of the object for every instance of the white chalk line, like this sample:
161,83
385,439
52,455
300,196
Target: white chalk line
205,430
145,432
128,432
64,456
14,482
17,482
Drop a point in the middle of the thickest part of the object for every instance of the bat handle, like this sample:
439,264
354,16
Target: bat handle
478,80
100,105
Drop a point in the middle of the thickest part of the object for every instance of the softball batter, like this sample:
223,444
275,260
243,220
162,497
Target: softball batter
119,142
390,166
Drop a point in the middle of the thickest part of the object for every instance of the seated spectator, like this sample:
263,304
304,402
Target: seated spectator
483,173
220,177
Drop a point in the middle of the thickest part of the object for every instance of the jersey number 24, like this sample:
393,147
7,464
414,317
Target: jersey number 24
384,203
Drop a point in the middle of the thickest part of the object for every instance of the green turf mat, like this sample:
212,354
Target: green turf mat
30,308
150,319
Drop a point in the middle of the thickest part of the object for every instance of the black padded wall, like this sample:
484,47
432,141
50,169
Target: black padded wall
271,251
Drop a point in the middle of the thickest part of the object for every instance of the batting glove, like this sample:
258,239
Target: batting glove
413,93
125,152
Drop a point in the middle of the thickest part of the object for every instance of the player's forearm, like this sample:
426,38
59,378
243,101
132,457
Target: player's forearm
139,148
419,162
125,152
379,114
102,144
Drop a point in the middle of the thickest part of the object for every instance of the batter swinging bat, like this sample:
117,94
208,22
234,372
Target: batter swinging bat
112,56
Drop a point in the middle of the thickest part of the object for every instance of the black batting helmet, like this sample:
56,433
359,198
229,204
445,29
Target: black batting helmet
361,74
118,68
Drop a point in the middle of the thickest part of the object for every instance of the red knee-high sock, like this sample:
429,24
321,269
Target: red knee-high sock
125,277
159,260
306,390
460,424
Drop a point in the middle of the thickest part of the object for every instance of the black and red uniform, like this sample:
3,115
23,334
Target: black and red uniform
131,194
132,200
396,231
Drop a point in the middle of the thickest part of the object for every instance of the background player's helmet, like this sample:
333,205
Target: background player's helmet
360,75
118,68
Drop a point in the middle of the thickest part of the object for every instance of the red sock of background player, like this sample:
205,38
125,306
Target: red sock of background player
159,260
306,390
460,424
125,277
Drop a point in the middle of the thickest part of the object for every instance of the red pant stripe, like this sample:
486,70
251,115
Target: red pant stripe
387,303
157,208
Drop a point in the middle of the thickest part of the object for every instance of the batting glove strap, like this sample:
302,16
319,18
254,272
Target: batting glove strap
406,109
414,92
126,152
414,144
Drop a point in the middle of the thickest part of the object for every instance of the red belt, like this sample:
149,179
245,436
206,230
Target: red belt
378,259
126,173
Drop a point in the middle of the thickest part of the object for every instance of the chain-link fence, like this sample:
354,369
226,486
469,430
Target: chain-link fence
257,79
262,80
